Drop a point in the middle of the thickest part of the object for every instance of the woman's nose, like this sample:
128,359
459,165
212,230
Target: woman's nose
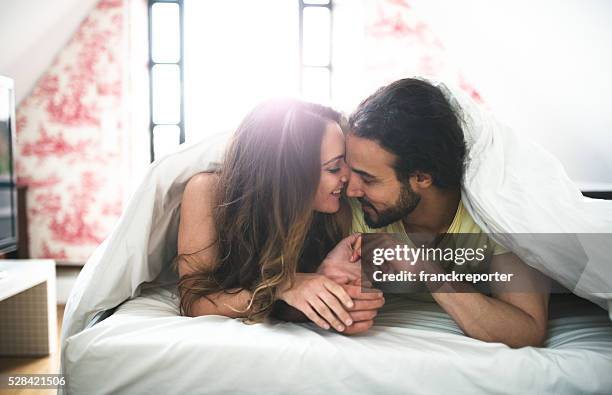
346,173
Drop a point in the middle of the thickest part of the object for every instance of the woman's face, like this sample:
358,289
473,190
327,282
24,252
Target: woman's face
334,171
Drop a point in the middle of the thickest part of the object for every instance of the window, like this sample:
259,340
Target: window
212,61
167,126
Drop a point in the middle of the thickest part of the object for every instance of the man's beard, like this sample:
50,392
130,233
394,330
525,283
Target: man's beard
406,203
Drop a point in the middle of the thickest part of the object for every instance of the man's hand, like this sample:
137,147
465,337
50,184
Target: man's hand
338,266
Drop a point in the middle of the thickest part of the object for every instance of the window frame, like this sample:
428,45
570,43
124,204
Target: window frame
179,63
330,6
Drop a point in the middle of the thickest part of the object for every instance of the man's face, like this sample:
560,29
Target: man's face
384,199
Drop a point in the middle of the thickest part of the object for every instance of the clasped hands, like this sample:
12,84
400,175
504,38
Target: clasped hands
334,296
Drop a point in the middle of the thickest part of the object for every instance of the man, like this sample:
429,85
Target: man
406,150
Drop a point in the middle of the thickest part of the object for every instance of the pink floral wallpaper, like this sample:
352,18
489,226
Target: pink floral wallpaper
379,41
71,139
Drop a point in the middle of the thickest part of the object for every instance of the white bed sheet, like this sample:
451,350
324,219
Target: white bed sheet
146,348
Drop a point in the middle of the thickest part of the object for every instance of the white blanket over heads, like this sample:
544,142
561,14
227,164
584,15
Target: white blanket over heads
511,186
520,194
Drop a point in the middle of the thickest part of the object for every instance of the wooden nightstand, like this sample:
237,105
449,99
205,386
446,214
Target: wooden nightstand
28,310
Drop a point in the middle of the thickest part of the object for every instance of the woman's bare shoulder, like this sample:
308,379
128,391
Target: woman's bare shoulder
196,224
204,181
198,200
201,188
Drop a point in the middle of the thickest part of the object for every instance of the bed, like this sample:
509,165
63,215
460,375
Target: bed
144,346
414,347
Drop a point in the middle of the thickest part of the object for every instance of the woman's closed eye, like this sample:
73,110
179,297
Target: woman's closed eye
333,170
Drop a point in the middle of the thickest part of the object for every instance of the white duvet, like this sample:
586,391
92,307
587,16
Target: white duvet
145,348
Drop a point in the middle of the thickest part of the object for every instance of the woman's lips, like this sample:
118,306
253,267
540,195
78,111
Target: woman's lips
336,192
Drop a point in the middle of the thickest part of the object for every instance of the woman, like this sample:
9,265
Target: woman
254,232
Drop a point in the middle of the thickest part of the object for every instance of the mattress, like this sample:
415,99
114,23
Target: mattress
145,347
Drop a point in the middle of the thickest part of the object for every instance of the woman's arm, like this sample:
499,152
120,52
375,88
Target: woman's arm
238,301
362,314
196,232
318,297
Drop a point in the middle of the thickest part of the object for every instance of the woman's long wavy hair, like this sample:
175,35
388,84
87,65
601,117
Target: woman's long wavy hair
267,228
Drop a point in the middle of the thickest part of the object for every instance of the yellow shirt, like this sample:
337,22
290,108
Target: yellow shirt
463,223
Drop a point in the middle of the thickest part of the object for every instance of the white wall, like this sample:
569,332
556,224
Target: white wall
32,32
64,282
543,66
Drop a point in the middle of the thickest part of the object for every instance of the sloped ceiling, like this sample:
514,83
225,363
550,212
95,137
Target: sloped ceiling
32,32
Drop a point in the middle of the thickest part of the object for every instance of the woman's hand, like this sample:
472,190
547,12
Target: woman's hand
321,299
339,265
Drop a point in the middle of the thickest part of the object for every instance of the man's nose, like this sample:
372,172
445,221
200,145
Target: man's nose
354,186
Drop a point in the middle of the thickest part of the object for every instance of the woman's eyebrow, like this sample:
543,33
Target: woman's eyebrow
333,159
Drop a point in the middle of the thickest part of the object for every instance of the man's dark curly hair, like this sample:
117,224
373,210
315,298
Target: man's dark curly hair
413,120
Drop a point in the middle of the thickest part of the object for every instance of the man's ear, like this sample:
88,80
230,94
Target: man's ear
420,180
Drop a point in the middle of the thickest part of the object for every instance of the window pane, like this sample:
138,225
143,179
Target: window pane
315,84
166,93
165,139
316,36
165,38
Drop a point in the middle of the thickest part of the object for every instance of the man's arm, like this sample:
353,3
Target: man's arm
515,317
